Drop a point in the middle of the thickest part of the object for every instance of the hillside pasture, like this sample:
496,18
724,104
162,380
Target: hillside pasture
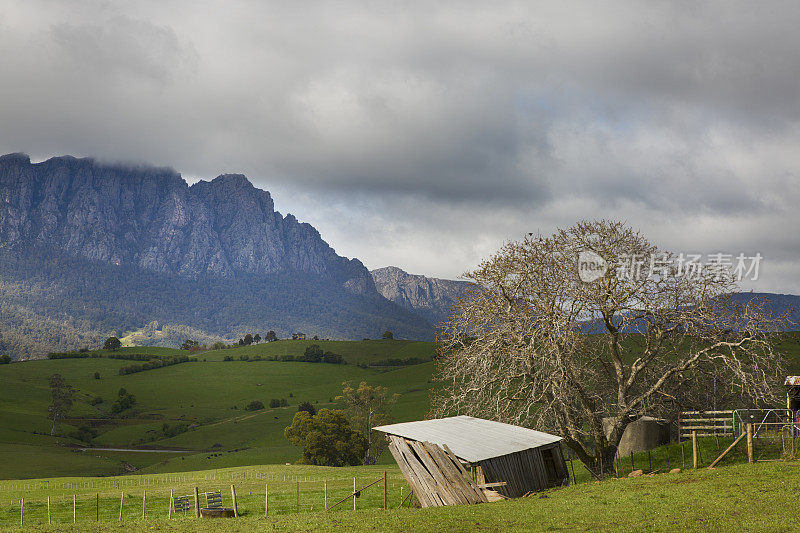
206,399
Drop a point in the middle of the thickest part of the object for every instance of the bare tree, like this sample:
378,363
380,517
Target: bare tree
535,345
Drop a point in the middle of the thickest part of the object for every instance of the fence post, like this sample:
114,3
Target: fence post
298,497
572,467
384,490
401,494
196,503
233,497
750,443
121,501
354,493
266,501
171,499
74,509
97,507
683,454
325,490
144,502
48,511
22,512
694,448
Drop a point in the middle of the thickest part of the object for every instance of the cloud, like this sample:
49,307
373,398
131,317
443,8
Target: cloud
426,135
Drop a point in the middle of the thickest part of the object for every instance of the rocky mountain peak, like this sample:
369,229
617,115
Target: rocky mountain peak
433,298
150,218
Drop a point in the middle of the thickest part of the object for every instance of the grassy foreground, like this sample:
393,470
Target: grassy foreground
761,497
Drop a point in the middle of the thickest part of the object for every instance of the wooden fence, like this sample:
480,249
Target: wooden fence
705,424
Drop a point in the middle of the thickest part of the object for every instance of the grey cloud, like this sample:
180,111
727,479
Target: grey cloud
122,46
448,127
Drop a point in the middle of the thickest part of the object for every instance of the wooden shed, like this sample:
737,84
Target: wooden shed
513,460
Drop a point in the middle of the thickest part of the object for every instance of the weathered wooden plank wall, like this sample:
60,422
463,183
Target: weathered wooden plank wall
434,474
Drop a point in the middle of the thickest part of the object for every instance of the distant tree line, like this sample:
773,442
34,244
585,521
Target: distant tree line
312,354
393,361
98,355
155,363
74,355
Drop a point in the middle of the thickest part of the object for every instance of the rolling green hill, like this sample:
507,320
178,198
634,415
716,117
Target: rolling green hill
203,405
205,398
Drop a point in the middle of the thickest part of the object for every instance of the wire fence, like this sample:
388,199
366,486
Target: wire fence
256,494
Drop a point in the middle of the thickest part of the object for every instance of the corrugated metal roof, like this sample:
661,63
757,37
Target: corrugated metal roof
472,439
792,380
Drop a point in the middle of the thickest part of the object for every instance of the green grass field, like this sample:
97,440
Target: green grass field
740,497
208,395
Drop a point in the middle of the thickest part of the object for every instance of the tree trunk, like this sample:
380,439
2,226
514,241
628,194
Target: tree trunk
601,464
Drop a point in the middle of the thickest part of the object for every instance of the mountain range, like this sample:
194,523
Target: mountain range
89,249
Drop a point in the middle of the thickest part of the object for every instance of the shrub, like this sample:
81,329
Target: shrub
124,401
97,375
84,433
307,407
255,405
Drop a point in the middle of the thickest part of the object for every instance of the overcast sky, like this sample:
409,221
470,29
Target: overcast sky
425,135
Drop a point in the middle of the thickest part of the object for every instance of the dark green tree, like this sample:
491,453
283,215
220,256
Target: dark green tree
5,359
188,344
313,354
248,340
112,343
61,403
388,335
326,438
256,338
270,336
255,405
308,407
